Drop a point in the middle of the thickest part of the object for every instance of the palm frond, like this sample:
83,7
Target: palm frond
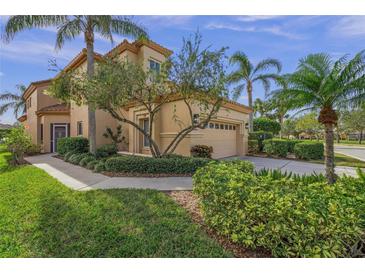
9,96
237,91
245,67
125,26
266,64
68,30
102,25
4,108
19,23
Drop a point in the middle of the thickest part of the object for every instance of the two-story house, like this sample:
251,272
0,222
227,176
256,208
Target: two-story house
47,119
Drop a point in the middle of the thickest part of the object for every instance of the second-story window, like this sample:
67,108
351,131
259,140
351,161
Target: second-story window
155,66
79,128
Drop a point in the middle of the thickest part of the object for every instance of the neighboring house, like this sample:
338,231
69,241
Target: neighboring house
47,119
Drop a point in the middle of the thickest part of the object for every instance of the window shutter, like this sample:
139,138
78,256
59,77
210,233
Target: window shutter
68,130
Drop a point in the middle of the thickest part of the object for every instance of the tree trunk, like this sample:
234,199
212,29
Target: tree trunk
281,121
250,104
329,153
89,37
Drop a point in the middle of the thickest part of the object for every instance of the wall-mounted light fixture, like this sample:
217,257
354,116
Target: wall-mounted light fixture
246,125
196,119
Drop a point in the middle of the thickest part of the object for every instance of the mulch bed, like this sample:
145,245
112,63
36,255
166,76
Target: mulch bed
191,203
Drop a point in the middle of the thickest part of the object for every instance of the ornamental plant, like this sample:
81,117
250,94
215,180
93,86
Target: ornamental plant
18,142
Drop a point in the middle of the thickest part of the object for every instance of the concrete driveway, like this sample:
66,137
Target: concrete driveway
352,151
293,166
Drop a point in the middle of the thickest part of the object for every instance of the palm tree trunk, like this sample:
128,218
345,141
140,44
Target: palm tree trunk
360,137
250,104
89,37
329,153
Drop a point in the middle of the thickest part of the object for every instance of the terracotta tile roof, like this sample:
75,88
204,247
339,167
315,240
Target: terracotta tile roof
136,45
55,109
34,85
22,118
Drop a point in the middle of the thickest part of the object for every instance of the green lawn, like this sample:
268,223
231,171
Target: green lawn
42,218
343,160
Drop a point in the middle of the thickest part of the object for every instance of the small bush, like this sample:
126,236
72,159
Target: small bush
277,174
309,150
201,151
287,217
91,165
85,160
266,124
276,147
77,157
253,146
147,165
243,166
75,144
17,142
67,156
260,136
106,151
33,149
99,167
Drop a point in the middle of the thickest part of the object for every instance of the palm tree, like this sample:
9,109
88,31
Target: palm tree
247,74
69,27
260,107
13,100
323,85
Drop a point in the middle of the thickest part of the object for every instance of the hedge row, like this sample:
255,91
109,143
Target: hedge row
258,136
307,150
74,144
85,160
148,165
287,217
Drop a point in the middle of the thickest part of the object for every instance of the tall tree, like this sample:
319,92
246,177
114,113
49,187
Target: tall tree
323,85
14,101
247,74
354,121
69,27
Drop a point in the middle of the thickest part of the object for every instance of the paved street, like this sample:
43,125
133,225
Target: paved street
353,151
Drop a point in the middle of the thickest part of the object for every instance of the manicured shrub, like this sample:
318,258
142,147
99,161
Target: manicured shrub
17,142
99,167
309,150
266,124
33,149
277,174
201,151
260,136
291,144
106,150
276,147
76,144
77,157
67,155
85,160
91,165
286,217
148,165
243,166
253,146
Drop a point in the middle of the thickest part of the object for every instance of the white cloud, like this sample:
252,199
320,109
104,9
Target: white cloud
349,26
254,18
275,30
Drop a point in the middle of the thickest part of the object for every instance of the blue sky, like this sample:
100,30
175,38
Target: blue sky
287,38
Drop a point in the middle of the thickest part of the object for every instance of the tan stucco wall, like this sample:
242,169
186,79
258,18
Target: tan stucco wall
174,116
47,120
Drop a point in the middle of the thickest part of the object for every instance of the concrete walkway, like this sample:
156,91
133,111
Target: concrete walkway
79,178
356,152
294,166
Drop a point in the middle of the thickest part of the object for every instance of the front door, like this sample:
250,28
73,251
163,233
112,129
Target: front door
60,131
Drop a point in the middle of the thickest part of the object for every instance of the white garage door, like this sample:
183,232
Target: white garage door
222,137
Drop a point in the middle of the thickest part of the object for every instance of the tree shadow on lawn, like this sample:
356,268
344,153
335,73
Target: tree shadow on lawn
117,223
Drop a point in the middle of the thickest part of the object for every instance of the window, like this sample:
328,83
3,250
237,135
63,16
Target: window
79,128
41,133
30,102
234,127
146,127
216,126
230,127
211,125
155,66
221,126
226,127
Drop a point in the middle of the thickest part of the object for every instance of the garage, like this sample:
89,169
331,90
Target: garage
222,137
